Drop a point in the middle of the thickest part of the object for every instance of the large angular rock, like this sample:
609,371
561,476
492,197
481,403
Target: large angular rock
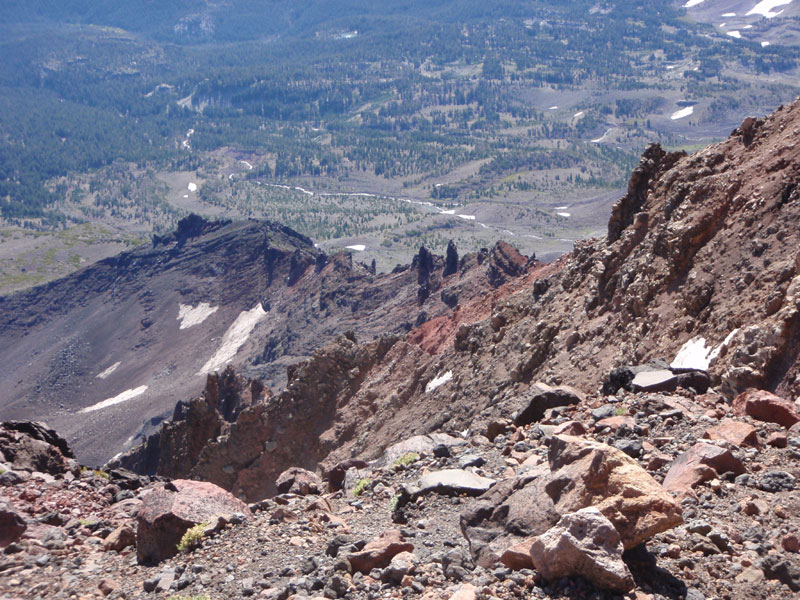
12,524
700,463
453,482
169,510
33,446
379,552
586,544
588,473
735,432
510,512
298,481
544,397
579,473
764,406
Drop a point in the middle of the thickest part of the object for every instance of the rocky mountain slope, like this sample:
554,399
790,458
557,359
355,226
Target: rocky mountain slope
622,422
700,268
636,495
104,354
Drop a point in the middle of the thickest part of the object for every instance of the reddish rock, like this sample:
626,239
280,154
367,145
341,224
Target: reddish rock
702,462
518,556
765,406
736,432
583,543
615,423
467,591
380,551
657,461
168,511
33,446
790,543
12,525
778,439
571,428
122,537
298,481
107,586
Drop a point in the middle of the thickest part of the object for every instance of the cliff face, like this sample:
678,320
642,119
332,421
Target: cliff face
105,354
701,268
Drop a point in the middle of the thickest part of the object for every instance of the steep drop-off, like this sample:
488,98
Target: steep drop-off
105,354
701,267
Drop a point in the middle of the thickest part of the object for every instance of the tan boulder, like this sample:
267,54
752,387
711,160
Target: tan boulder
119,539
587,473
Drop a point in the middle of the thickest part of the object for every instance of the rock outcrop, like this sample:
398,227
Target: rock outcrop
167,512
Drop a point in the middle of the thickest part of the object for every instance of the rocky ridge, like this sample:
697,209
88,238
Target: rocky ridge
105,354
674,279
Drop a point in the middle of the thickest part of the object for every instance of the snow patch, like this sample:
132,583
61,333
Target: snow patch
728,14
561,207
190,316
438,381
118,399
578,114
734,34
684,112
764,44
466,217
691,3
554,108
108,371
564,214
357,247
192,187
694,354
764,8
234,338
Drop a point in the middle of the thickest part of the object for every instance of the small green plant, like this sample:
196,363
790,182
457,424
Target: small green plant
197,597
192,538
361,486
620,412
96,472
407,459
394,502
2,470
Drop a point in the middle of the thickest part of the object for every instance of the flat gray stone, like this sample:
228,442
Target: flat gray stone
453,481
655,381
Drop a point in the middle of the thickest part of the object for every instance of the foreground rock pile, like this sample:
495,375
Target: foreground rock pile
635,494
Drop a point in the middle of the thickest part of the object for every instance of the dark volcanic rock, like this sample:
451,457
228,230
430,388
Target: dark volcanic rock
543,397
35,447
12,524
